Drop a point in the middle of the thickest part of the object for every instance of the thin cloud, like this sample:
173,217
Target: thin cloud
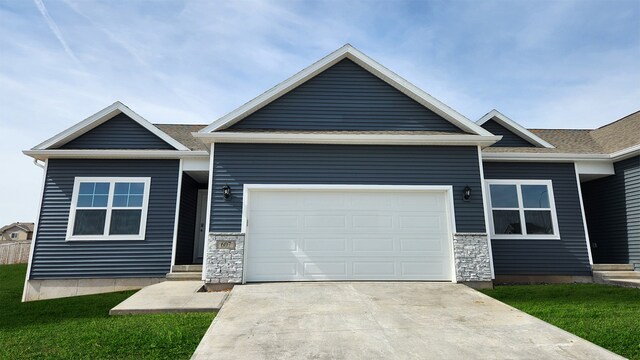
55,29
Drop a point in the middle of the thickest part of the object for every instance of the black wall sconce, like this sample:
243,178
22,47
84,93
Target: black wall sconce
466,193
226,192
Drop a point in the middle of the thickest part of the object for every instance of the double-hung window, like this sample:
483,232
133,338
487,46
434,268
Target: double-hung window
107,208
522,209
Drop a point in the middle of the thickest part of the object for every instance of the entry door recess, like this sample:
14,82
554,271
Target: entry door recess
386,233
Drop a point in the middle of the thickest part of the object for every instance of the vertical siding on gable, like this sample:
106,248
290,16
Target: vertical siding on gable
345,97
612,206
55,258
567,256
509,139
239,164
119,132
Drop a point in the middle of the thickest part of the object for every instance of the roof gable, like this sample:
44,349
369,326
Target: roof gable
114,127
119,132
345,97
347,52
509,138
514,135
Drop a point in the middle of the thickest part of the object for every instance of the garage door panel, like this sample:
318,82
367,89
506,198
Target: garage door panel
372,221
418,244
373,269
325,269
324,244
347,234
430,222
279,269
373,243
324,221
328,201
274,221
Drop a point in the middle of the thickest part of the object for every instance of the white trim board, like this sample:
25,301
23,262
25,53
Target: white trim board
346,139
347,52
584,217
112,154
35,231
515,128
447,189
101,117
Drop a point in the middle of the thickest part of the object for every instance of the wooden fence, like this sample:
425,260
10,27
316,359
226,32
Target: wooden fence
14,252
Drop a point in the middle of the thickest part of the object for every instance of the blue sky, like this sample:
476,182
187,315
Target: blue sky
555,64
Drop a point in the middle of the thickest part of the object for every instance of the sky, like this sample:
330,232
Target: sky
545,64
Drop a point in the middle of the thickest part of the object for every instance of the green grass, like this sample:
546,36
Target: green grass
80,327
605,315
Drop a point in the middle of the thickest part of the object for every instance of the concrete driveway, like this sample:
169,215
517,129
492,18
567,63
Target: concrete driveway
379,320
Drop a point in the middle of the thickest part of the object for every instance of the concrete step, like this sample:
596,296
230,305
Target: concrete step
618,274
184,276
612,267
186,268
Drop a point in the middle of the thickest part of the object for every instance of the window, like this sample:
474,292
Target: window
108,209
13,235
522,209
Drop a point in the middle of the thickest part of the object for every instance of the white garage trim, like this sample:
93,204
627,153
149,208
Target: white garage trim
447,189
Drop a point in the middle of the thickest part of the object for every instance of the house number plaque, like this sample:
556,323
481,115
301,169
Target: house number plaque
225,245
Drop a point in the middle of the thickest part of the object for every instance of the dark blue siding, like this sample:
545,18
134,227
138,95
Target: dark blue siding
345,97
238,164
612,207
119,132
187,220
567,256
56,258
509,139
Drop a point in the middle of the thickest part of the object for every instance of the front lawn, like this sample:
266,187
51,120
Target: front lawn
608,316
81,328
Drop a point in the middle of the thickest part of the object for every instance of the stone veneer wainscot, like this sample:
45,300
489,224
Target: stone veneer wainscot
224,265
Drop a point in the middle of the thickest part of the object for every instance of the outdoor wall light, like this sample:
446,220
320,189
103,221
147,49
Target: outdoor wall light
226,192
466,193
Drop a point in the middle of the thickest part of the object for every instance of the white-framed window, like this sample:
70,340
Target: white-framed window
109,208
522,209
14,235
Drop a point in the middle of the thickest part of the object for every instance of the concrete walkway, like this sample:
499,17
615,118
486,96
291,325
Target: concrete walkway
171,297
377,320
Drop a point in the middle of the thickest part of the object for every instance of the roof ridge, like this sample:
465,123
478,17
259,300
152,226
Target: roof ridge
616,121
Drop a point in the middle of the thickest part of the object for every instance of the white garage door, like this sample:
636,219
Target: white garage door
348,234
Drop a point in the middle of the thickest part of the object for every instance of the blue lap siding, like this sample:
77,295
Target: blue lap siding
239,164
345,97
119,132
567,256
56,258
509,139
612,206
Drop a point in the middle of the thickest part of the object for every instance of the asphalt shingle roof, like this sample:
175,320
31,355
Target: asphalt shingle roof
616,136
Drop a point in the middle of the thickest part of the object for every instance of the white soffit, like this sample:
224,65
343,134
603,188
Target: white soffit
348,52
101,117
514,127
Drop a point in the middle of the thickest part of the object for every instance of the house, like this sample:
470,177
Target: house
345,171
16,231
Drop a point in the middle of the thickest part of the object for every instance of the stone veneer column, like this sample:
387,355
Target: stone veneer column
224,258
472,257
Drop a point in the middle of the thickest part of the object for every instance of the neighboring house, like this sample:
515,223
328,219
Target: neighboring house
344,171
16,231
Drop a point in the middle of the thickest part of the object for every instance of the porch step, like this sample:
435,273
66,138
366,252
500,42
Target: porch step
183,275
634,283
186,268
612,267
618,274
